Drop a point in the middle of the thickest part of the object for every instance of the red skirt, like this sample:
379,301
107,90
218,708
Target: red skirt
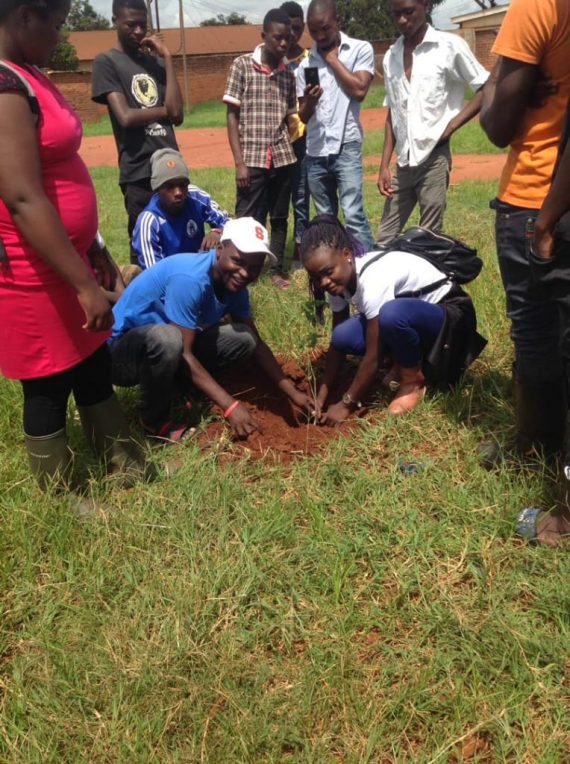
41,330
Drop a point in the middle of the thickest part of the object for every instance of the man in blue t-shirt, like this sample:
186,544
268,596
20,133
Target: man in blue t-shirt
168,321
173,221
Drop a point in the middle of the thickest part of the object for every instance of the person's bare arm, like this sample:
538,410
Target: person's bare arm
333,363
129,117
240,420
107,272
232,121
308,103
367,370
368,367
173,102
354,84
506,96
470,110
22,191
291,124
555,205
384,181
173,109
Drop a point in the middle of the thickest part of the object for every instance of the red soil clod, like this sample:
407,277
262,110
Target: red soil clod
284,433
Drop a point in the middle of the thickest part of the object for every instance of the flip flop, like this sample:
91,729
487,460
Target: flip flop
526,525
171,433
280,283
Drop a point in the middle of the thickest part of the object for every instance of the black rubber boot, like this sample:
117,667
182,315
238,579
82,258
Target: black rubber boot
107,430
50,459
541,409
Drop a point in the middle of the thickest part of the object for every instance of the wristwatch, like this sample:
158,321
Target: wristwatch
349,401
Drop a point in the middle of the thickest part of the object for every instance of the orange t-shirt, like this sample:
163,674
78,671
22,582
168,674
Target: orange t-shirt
536,32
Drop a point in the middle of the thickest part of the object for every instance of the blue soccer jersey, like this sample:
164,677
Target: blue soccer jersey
178,290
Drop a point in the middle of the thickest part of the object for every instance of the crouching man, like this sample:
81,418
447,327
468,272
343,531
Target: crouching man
167,322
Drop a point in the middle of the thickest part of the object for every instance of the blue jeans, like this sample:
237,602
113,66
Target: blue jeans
408,329
300,197
336,180
539,322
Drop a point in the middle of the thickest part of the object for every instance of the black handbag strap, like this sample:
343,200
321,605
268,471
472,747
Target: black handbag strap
425,290
372,260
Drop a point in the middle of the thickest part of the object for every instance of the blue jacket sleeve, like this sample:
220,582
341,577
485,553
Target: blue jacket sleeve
210,210
147,241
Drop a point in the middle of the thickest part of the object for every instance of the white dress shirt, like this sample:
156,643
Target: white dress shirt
422,107
337,116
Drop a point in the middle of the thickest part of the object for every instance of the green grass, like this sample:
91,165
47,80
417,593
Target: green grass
470,139
213,114
333,610
207,114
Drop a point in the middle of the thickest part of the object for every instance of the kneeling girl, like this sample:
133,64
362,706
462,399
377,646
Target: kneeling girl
407,309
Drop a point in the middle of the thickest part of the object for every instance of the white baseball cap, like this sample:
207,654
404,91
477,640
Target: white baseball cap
249,237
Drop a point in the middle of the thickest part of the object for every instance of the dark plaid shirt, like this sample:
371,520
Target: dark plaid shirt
265,98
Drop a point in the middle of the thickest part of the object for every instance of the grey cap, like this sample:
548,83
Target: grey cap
165,165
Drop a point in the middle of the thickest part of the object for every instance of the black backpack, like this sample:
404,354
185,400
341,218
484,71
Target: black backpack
460,263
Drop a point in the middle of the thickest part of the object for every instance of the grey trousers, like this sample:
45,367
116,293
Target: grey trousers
150,356
425,185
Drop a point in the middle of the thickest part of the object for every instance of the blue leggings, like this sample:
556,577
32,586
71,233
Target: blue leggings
408,329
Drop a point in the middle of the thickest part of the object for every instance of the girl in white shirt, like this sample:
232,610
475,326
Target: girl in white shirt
398,297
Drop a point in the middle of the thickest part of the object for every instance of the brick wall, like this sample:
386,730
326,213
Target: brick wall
484,41
207,75
76,88
206,81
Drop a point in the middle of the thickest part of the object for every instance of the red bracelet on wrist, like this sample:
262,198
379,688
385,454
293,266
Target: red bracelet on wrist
230,408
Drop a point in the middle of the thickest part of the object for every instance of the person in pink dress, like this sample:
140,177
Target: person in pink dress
54,318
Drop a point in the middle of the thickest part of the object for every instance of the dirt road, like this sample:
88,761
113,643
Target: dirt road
209,147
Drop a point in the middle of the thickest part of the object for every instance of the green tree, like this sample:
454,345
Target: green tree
369,19
64,57
83,17
222,21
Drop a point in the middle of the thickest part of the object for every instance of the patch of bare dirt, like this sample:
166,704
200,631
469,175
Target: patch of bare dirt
284,433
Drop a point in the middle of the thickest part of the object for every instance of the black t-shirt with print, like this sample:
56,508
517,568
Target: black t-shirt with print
142,80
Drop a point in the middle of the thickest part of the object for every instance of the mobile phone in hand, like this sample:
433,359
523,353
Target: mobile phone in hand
312,76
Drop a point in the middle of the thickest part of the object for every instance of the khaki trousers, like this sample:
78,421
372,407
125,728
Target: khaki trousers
425,185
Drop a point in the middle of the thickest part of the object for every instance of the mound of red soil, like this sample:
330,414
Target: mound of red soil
284,433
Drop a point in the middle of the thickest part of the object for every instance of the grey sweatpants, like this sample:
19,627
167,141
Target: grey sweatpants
425,185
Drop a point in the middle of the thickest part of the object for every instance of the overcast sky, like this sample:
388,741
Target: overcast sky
197,10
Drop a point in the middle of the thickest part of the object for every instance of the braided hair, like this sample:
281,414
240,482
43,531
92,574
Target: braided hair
327,230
